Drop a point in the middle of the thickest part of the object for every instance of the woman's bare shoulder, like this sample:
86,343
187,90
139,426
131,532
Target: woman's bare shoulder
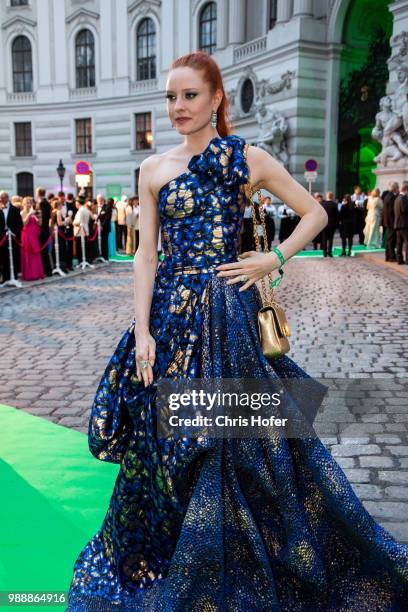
150,163
157,167
154,160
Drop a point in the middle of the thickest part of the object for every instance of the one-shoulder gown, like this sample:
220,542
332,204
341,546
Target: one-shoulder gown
231,525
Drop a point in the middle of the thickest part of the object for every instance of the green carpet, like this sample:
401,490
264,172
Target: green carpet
55,495
121,258
306,253
337,251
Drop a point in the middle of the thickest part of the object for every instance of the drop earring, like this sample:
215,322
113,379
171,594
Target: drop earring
214,118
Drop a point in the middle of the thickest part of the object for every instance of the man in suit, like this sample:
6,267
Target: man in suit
68,214
269,211
388,198
104,216
401,223
360,200
70,204
317,240
45,207
288,221
10,218
330,206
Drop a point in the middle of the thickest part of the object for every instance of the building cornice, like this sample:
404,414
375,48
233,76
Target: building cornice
84,13
398,7
86,104
143,6
19,20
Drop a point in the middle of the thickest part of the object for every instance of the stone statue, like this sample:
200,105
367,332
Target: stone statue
391,123
272,130
388,131
399,45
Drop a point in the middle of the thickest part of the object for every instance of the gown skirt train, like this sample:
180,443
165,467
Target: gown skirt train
229,525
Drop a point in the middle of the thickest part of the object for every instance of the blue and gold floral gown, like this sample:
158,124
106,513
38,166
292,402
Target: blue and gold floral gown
223,524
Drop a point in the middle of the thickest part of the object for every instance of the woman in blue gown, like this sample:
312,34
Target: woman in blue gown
112,234
206,524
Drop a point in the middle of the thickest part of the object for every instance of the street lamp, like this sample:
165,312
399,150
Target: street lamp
61,173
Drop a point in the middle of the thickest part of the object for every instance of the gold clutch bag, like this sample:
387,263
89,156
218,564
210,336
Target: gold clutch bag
272,324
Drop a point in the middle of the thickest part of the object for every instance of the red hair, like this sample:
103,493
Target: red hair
199,60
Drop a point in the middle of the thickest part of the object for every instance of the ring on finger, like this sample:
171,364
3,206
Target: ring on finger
243,278
143,363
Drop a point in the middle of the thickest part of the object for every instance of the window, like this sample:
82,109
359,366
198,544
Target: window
22,64
146,50
247,95
208,28
23,139
273,9
19,3
143,124
83,135
85,59
25,184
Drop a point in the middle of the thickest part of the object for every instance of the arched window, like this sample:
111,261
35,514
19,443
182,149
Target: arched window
247,95
22,62
208,28
25,184
85,59
146,50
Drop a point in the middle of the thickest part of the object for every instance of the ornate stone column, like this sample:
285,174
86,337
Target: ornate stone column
391,128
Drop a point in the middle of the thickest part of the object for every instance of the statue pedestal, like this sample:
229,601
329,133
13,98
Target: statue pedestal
394,171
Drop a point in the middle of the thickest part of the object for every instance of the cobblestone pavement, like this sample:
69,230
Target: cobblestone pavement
349,322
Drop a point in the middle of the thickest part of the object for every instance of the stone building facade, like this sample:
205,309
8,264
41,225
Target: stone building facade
85,80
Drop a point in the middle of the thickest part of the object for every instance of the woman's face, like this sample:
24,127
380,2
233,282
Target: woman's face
189,97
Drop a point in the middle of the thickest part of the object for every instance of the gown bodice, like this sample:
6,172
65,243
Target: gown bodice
201,210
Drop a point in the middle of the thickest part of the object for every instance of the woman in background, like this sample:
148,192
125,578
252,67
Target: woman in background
57,220
92,244
31,262
112,234
372,234
136,208
130,218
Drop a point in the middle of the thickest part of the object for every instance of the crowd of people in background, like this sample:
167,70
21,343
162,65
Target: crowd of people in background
379,220
33,221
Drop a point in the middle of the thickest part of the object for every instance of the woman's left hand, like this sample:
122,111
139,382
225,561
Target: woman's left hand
252,264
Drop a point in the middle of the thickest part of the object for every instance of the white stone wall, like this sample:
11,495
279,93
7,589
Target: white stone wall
305,40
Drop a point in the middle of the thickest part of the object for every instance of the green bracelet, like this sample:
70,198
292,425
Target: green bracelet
277,280
279,254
